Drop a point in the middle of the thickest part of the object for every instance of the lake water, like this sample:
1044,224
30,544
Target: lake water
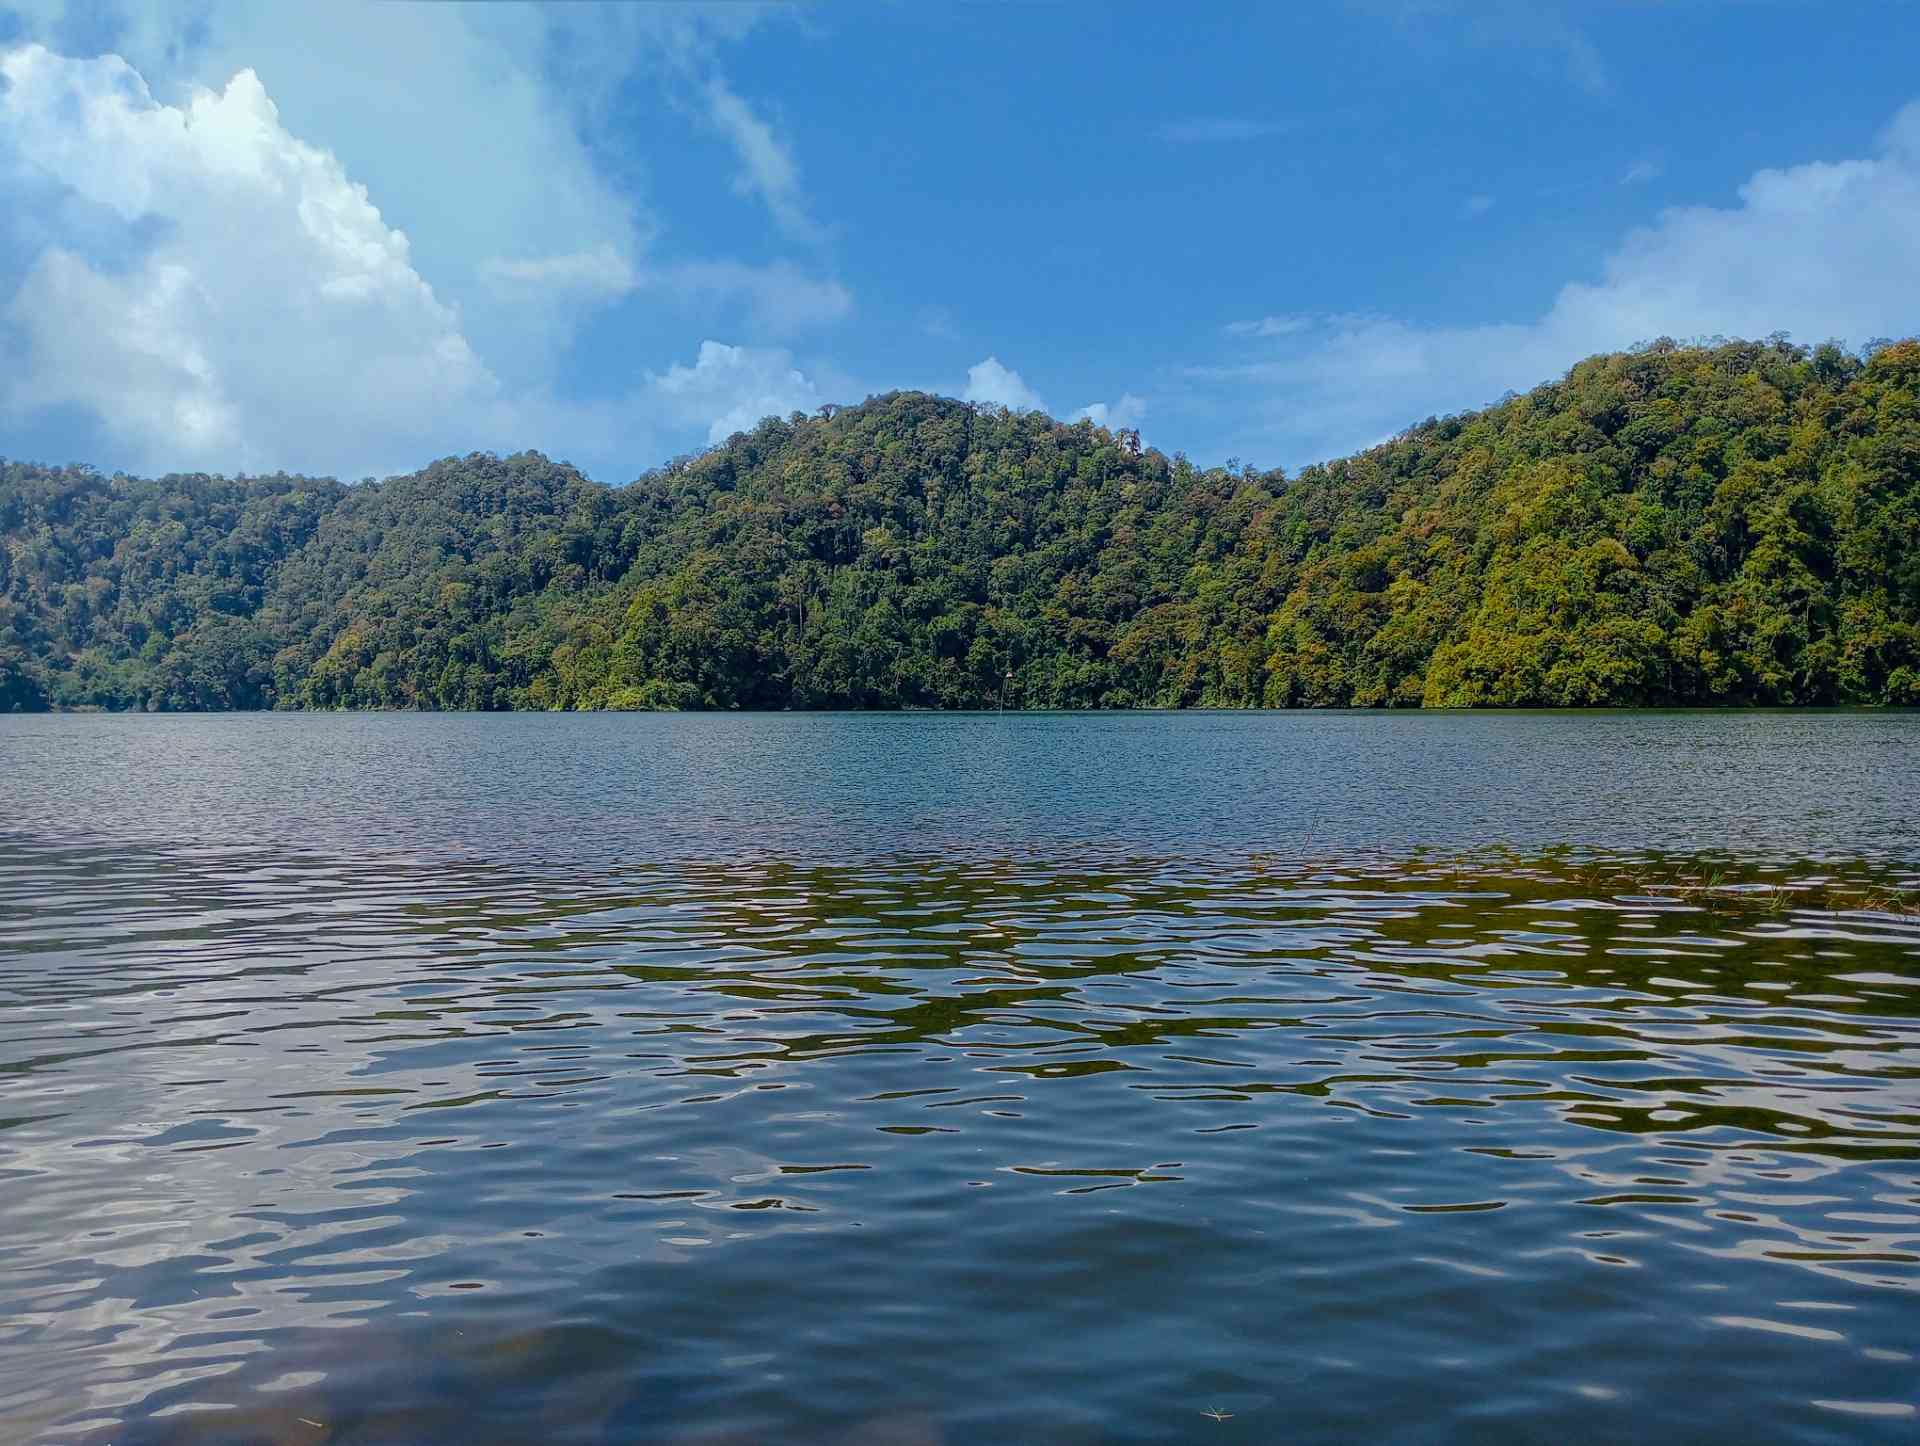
984,1078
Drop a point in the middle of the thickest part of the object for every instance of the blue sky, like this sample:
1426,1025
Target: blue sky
349,240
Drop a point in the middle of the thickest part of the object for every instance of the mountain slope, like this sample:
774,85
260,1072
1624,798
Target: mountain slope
1734,524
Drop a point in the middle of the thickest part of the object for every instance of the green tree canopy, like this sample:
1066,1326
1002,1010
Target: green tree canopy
1735,523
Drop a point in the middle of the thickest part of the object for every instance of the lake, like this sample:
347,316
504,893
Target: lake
979,1078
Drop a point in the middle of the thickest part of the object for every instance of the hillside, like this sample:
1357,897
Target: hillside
1734,524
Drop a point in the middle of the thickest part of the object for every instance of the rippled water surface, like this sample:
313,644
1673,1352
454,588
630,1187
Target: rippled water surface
955,1079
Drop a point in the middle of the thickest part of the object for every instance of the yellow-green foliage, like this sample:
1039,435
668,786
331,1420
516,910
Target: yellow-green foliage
1737,523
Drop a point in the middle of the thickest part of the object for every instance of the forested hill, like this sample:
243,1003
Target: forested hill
1735,524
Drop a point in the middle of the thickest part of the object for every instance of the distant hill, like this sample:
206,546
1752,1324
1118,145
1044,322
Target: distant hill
1675,525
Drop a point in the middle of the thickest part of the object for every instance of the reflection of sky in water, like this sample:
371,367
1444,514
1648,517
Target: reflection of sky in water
568,1079
257,1101
620,790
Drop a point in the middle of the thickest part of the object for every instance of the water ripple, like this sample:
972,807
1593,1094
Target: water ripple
965,1147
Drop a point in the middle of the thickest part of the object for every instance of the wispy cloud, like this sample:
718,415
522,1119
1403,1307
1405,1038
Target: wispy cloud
1515,25
1578,54
1816,250
1214,130
1640,172
778,298
767,167
1269,326
1476,206
599,270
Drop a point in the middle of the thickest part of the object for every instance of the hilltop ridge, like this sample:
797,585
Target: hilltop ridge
1734,524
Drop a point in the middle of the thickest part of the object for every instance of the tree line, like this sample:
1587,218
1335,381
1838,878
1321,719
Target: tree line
1735,523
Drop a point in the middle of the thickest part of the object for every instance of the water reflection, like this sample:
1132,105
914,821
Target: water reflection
297,1147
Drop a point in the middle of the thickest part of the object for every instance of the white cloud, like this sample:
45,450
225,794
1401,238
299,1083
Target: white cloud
469,124
730,388
1817,250
1640,171
1580,56
1476,206
441,111
768,169
1270,326
220,292
1513,25
1129,411
989,381
276,311
601,270
779,298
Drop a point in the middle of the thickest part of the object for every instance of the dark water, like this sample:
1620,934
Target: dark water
933,1079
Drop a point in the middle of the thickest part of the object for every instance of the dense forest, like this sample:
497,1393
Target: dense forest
1736,523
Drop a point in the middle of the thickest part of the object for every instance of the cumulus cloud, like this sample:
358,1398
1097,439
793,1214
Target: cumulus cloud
218,292
276,303
1129,411
730,388
1001,386
469,126
450,120
1817,250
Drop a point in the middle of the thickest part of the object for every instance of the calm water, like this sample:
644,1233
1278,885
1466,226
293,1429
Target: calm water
959,1079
